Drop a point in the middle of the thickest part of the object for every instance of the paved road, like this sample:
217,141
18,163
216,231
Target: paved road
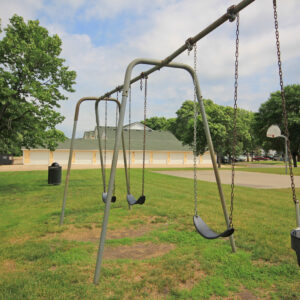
249,179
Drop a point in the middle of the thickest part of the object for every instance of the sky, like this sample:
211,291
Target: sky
101,37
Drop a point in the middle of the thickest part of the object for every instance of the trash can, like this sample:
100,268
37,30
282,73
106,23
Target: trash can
54,174
295,239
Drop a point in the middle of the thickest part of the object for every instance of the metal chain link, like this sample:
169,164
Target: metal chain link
105,137
117,110
144,140
236,76
129,140
195,134
283,100
141,82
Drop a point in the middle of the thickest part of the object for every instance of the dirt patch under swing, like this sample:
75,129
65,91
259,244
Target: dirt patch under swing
137,251
7,266
92,234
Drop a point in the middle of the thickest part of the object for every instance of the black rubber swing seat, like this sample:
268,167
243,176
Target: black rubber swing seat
132,201
295,241
208,233
104,198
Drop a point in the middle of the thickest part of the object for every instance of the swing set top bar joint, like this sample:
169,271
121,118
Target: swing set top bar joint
97,99
144,76
230,15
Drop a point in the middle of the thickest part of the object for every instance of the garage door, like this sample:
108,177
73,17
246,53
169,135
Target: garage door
39,157
84,158
61,157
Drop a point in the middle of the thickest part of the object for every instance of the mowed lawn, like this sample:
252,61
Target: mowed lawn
152,251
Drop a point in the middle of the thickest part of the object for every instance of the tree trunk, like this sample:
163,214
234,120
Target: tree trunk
219,160
294,156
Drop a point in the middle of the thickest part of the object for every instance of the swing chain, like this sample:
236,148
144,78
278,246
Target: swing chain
105,136
195,134
141,81
236,76
144,140
117,110
284,112
129,130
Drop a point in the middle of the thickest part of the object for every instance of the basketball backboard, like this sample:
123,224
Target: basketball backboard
273,131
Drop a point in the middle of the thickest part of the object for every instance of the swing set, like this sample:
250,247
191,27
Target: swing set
202,228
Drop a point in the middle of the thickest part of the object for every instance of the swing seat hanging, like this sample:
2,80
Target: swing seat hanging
295,241
208,233
132,201
104,198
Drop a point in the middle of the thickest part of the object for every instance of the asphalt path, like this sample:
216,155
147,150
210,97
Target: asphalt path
248,179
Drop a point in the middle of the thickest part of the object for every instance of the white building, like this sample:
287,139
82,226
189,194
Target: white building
162,149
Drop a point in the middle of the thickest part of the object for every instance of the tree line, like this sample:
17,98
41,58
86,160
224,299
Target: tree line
34,78
251,127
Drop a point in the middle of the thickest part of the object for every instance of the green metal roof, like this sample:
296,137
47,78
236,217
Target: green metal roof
155,140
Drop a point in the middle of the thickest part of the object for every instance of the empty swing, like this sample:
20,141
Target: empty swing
104,135
130,198
202,228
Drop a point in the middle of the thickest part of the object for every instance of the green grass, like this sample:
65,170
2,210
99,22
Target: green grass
265,162
37,262
280,171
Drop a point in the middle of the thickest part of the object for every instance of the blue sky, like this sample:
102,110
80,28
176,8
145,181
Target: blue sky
101,37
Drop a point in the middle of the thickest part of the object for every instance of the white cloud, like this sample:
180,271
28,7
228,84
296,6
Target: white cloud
25,8
154,29
104,9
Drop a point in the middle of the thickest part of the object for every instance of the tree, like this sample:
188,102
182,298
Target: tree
157,123
220,120
32,80
270,112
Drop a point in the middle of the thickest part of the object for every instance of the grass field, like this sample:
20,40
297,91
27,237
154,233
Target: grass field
152,251
296,171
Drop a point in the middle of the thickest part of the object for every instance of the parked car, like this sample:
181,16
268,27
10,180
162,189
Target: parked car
225,160
6,159
241,158
277,157
257,158
269,156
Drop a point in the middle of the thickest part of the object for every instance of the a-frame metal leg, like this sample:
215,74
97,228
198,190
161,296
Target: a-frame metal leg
117,146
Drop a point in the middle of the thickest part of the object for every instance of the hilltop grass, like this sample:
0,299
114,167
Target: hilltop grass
38,262
280,171
240,167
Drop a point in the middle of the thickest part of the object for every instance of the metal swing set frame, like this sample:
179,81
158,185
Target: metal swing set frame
230,15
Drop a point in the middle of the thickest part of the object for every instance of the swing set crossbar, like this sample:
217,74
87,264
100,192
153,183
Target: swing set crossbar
230,15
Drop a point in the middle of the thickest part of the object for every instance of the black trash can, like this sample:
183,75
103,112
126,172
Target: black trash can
295,239
54,174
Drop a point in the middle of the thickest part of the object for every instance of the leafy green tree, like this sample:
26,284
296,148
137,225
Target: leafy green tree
157,123
220,121
270,112
32,80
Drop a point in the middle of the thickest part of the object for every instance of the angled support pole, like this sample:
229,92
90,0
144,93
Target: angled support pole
117,145
61,221
76,115
100,145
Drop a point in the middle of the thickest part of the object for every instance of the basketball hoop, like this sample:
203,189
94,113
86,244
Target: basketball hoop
273,132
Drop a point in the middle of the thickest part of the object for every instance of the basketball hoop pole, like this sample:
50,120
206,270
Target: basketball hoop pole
286,155
274,132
